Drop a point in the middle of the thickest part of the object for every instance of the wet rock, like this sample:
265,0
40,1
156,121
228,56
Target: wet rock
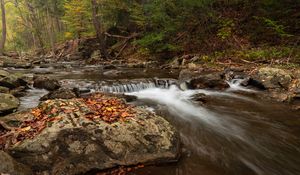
274,78
8,103
209,81
249,82
165,82
280,96
10,80
200,98
19,91
47,83
9,166
62,93
128,98
294,90
234,73
74,144
254,83
80,91
109,67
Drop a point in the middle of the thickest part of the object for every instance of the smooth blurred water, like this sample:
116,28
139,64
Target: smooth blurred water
233,134
32,98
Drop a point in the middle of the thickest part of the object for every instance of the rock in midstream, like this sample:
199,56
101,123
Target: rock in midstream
75,144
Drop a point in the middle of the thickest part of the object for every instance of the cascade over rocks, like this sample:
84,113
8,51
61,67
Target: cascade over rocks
248,81
74,136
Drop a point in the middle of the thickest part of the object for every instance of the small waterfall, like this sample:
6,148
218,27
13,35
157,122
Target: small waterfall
135,85
130,87
236,85
119,86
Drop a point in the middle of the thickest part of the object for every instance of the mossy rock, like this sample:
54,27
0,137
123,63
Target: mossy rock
8,103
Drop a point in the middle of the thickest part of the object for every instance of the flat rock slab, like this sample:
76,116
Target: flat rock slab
73,142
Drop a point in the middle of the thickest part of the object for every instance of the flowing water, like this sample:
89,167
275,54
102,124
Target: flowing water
232,133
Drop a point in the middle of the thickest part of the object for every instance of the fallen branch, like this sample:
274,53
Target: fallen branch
246,61
125,42
121,50
123,37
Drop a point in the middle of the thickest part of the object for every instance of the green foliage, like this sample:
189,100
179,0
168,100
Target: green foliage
164,26
154,42
226,29
114,13
275,26
78,18
162,20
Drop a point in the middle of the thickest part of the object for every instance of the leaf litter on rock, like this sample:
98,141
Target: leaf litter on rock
102,108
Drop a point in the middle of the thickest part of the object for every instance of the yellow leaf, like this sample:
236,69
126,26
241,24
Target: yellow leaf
25,129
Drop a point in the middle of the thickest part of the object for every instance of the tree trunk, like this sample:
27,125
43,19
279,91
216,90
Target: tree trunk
36,26
99,31
3,39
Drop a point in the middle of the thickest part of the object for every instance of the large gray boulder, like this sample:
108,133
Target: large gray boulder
8,103
9,166
72,143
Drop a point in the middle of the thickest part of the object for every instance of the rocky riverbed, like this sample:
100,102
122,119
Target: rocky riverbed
73,130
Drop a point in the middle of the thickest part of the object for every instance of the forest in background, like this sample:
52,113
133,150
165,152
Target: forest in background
251,30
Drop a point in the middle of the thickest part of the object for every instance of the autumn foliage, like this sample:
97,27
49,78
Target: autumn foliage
108,109
100,108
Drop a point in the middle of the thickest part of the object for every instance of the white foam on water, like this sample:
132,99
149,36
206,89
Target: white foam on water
179,104
235,85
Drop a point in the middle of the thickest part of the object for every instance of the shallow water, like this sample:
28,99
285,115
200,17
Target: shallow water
230,134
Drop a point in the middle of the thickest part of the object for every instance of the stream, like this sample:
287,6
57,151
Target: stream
235,132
